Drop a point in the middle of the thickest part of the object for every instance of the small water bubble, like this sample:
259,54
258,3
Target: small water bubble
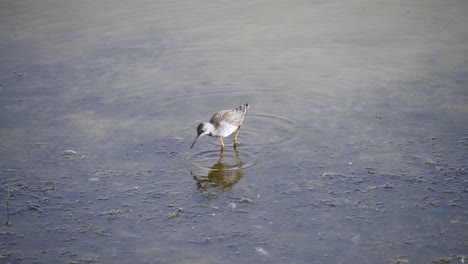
261,251
356,239
69,152
245,200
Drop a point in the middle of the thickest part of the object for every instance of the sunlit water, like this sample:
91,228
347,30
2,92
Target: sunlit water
354,149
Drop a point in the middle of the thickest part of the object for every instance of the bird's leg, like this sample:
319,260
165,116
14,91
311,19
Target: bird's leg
222,144
237,134
237,153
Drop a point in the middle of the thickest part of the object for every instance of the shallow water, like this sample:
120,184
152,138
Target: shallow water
354,149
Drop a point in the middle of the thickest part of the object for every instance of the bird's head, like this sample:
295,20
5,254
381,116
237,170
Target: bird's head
203,129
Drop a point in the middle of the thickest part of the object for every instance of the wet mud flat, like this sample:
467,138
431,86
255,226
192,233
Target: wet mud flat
354,149
142,211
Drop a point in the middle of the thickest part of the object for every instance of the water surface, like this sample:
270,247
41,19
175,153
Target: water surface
354,149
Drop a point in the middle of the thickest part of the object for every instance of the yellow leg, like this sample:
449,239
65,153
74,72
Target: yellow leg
222,144
237,134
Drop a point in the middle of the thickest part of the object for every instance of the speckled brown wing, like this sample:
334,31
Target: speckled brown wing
233,116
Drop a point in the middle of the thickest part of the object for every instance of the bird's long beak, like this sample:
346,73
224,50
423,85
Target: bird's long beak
195,141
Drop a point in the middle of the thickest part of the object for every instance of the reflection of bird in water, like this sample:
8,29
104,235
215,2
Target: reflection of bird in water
222,176
223,124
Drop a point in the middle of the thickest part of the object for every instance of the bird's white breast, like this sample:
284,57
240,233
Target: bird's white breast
224,129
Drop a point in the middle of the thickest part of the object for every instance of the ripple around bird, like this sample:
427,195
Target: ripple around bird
263,131
260,134
231,159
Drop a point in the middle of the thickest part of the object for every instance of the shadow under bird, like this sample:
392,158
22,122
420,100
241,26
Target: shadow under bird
223,124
